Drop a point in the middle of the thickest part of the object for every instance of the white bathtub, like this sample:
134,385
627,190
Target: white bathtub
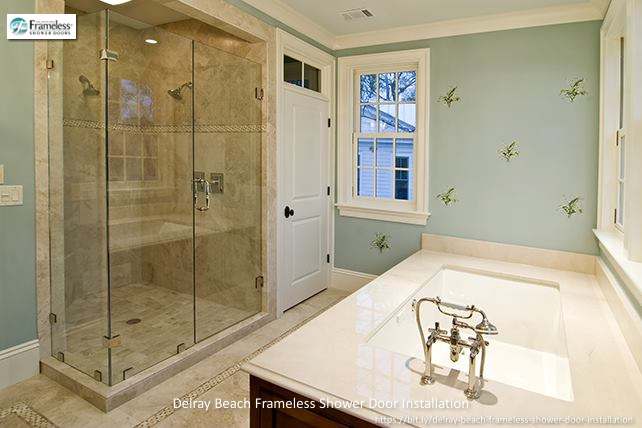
528,353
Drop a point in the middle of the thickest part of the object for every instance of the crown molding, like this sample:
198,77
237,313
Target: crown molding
586,11
295,20
480,24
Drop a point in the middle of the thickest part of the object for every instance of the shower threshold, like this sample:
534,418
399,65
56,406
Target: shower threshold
107,398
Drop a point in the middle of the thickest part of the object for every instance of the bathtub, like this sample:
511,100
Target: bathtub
530,350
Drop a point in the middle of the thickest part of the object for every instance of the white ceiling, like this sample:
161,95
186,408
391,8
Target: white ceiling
398,13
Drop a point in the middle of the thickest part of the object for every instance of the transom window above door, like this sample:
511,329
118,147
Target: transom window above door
299,73
383,136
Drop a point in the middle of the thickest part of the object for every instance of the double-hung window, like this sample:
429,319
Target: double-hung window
620,143
382,136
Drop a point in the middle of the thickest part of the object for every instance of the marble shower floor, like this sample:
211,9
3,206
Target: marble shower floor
166,320
40,402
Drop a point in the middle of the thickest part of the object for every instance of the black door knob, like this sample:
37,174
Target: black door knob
288,212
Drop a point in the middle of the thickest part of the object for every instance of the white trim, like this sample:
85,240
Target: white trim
294,47
612,245
19,363
416,211
349,280
588,11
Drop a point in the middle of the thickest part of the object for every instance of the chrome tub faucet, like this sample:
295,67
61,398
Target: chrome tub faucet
475,344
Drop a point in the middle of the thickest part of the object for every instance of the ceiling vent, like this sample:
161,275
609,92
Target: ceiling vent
352,14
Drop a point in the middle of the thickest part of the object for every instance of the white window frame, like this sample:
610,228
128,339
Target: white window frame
414,211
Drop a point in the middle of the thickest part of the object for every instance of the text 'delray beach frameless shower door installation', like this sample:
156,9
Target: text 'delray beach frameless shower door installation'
155,200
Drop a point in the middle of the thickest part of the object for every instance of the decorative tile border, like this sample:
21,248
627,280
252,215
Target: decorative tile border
169,410
166,129
27,414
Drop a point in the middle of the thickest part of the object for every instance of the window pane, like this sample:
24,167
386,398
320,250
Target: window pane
387,86
622,158
407,86
404,153
292,69
365,182
365,152
407,117
403,185
368,88
312,78
620,205
387,118
368,115
384,183
384,153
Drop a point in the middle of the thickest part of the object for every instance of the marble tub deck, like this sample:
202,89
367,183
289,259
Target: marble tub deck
606,380
41,402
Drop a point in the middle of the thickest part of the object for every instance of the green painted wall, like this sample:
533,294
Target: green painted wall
17,224
509,83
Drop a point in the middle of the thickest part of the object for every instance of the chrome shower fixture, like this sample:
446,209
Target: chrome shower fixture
177,93
457,344
87,87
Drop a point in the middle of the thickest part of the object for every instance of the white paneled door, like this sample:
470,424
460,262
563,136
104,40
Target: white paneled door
303,269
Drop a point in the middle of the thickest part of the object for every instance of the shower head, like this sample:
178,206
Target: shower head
87,87
177,93
485,327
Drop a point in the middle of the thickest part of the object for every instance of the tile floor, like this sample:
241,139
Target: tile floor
40,402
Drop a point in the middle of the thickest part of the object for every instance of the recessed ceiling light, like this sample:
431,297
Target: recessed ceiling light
115,2
151,41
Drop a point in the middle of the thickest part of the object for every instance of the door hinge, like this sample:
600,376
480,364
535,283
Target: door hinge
328,190
50,64
615,215
53,318
329,122
258,281
327,258
258,93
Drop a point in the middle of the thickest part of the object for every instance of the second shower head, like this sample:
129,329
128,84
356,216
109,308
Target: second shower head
177,93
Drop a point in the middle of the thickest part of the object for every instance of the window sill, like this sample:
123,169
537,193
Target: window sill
612,244
397,216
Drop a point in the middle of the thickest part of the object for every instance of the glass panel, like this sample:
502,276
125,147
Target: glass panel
77,208
365,152
387,87
622,157
403,184
407,86
384,183
404,153
150,204
228,235
407,118
365,182
387,117
368,114
620,205
292,71
384,153
312,78
368,88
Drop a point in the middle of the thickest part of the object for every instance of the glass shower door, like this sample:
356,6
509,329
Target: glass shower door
150,199
227,153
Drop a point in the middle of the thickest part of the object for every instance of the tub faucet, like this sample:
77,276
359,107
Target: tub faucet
475,344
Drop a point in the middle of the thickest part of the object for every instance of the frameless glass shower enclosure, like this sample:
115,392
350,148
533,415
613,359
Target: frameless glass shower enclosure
155,193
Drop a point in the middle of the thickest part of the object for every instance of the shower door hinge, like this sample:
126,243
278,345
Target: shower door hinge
258,93
329,122
258,281
53,318
108,55
114,342
50,64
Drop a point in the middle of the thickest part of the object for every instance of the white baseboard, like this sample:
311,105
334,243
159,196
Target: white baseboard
627,317
349,280
19,363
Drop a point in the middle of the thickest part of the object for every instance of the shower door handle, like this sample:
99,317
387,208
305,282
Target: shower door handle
207,188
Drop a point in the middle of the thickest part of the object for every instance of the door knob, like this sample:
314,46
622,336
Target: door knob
288,212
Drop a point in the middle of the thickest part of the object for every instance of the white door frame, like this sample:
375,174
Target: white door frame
287,44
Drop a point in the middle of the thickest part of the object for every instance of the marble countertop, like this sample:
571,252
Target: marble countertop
329,358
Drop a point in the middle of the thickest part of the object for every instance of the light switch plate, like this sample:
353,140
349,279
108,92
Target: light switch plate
10,196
